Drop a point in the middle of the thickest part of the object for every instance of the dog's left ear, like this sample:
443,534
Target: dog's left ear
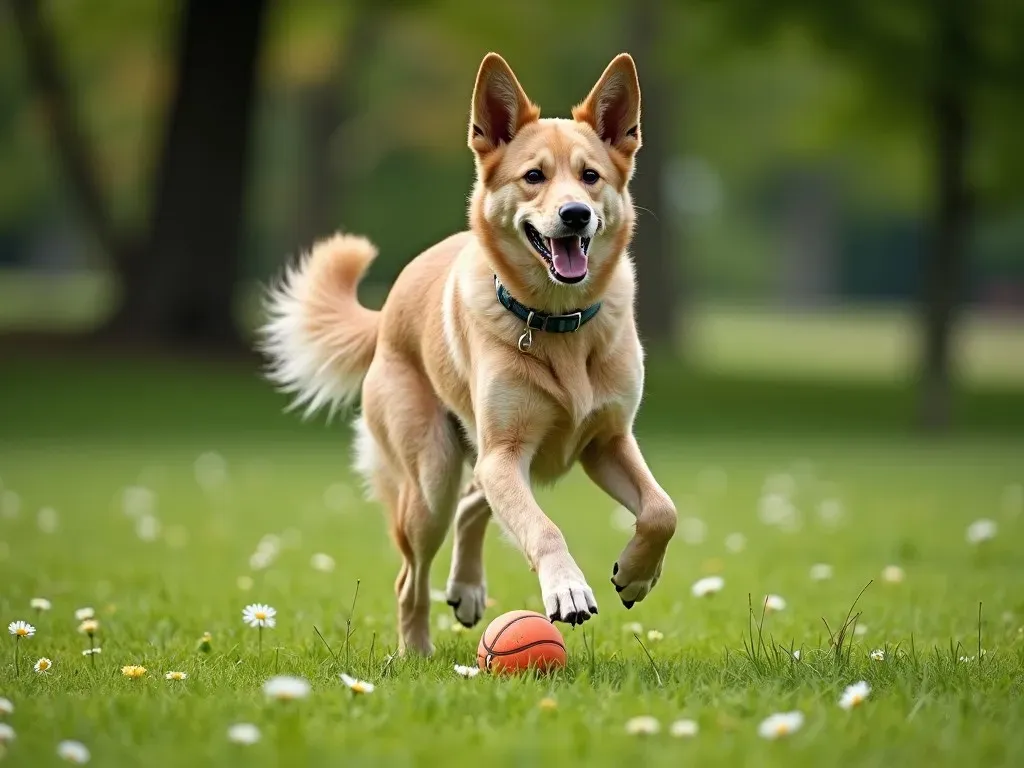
613,106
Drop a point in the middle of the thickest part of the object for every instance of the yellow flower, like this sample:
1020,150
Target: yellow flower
133,671
43,665
176,675
547,703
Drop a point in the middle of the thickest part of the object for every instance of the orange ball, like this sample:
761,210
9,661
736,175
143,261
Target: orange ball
521,640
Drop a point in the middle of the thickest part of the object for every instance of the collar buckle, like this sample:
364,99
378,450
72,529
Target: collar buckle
579,320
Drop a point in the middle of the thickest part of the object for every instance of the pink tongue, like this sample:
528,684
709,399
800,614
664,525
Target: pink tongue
568,257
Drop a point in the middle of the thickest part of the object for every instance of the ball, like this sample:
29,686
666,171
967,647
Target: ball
518,641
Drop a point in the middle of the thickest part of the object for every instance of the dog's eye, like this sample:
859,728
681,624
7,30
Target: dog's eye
590,176
534,176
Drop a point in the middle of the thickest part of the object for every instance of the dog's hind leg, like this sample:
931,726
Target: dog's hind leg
425,455
467,588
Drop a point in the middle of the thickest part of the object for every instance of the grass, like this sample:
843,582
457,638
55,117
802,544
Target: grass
73,435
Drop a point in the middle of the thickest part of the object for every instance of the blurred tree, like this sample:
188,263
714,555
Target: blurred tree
329,104
937,57
178,277
654,248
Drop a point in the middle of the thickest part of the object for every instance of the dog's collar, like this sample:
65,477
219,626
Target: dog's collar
541,321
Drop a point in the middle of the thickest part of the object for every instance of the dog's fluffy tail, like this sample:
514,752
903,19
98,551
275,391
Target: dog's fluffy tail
318,338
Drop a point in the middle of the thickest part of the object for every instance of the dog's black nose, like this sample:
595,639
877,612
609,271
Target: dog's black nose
575,215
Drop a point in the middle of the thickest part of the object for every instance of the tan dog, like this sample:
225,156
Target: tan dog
512,347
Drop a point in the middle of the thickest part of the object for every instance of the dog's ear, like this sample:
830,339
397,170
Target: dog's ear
613,106
500,106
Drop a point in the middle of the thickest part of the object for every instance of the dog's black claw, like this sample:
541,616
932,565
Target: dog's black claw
628,603
455,603
594,610
553,618
615,569
618,588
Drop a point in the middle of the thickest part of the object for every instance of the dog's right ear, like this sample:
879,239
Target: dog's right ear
500,106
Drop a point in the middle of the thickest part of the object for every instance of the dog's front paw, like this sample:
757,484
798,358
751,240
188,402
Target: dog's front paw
566,594
468,601
633,575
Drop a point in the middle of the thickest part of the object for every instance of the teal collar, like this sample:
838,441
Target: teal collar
541,321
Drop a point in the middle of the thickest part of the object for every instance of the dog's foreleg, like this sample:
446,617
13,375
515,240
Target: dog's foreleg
503,473
616,465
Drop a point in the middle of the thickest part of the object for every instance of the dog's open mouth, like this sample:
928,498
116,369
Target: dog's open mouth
566,256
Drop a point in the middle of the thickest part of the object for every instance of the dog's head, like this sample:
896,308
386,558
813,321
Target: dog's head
551,202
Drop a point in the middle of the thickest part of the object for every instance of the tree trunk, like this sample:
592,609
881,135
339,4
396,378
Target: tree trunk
182,291
327,107
945,262
654,247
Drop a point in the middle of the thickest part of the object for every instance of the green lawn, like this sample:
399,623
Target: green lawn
74,435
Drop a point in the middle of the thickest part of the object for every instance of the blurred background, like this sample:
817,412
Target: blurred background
831,228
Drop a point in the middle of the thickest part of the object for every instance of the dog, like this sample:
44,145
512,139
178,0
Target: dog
510,348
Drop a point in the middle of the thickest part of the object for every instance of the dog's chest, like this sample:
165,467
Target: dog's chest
585,405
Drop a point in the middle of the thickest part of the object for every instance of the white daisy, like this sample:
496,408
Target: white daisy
981,530
878,655
774,603
73,752
893,574
322,562
137,501
261,559
780,724
796,654
211,470
48,520
644,725
259,615
84,613
286,688
654,636
821,572
684,729
40,604
633,627
693,530
466,671
21,629
623,520
91,651
176,675
735,542
147,528
6,707
357,686
831,511
6,733
243,733
854,695
89,627
43,665
709,585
